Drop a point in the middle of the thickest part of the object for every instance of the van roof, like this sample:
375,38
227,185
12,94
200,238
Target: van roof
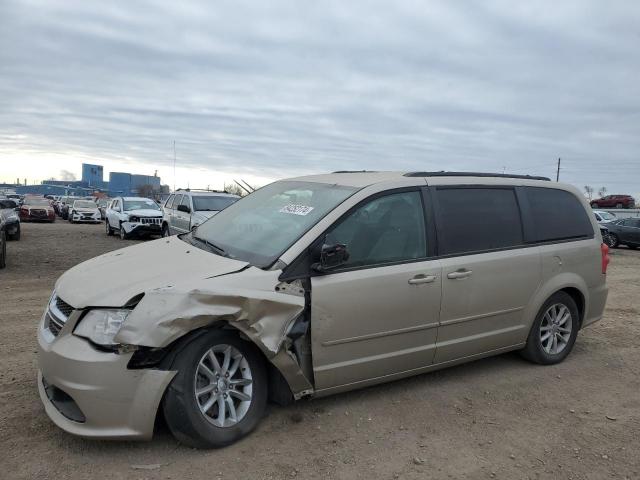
364,178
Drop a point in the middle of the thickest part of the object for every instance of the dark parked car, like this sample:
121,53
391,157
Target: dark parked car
624,232
614,201
37,209
10,217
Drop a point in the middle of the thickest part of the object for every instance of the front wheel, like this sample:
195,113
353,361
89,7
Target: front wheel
123,234
15,236
554,331
612,241
165,230
108,228
219,394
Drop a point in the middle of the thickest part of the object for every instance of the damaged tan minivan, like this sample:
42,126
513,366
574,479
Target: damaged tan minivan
313,286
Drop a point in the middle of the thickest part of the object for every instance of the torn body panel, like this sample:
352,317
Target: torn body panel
247,301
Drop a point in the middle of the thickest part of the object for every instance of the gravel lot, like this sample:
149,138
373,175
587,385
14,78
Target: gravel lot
495,418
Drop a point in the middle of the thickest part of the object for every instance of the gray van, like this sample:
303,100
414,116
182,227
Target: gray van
313,286
186,209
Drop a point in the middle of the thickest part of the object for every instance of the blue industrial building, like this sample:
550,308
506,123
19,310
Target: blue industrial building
119,184
93,175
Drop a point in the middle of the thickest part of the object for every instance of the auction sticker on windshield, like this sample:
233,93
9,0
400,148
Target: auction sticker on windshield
294,209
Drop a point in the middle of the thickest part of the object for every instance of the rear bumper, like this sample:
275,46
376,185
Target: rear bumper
92,393
597,302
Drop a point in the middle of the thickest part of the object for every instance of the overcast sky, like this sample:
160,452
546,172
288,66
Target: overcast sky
266,89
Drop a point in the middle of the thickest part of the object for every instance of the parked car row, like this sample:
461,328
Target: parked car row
9,225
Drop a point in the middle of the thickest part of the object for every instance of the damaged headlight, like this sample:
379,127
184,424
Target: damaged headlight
102,325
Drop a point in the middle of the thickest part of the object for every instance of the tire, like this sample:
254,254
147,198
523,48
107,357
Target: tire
182,410
537,350
123,234
632,247
108,228
165,230
619,205
16,236
3,249
614,241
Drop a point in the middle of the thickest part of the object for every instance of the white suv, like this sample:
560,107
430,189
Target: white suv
186,209
133,216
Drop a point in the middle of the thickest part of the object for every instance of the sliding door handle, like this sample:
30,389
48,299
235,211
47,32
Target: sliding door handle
422,278
462,273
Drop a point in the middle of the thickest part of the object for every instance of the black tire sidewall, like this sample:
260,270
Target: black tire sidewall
3,249
534,350
615,241
180,408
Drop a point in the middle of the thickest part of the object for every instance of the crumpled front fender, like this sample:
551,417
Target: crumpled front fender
246,300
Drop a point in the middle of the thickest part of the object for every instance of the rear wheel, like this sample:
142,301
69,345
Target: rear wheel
613,241
219,394
3,249
554,331
619,205
15,236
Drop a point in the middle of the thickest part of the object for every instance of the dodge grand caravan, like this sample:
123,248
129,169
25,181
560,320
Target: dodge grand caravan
313,286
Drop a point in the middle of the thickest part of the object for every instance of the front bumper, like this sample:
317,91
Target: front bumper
137,228
116,403
78,217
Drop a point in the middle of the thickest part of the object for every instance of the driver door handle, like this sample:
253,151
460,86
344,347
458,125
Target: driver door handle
462,273
422,278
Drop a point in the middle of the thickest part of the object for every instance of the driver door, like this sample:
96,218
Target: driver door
378,314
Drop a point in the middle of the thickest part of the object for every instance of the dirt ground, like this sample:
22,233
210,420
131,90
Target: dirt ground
495,418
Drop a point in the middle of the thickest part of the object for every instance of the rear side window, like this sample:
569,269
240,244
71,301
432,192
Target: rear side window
557,215
478,219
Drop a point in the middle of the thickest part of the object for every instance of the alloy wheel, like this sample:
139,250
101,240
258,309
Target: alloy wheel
555,329
223,385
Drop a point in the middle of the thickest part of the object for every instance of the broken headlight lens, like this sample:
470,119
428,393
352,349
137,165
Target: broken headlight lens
102,325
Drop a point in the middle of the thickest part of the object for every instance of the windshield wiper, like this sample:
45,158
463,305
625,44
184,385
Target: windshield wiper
221,251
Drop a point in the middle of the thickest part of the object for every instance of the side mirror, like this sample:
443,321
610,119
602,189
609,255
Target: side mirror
331,256
184,208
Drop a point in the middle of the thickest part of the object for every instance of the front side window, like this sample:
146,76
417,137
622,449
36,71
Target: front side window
176,201
185,201
260,227
557,215
478,219
169,201
387,229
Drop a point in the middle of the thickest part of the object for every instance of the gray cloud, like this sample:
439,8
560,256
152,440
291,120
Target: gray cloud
283,88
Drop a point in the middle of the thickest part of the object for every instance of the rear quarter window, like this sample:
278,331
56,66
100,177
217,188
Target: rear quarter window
557,215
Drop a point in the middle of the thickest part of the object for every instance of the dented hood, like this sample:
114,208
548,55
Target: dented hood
112,279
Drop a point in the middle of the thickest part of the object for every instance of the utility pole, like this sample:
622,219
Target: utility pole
174,165
558,174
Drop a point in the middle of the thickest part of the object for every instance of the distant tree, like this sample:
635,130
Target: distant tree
147,191
602,192
588,190
235,189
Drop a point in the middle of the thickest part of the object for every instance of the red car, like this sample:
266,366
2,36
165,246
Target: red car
614,201
37,209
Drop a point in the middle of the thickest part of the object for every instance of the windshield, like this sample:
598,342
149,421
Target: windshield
37,202
261,226
607,216
84,204
140,205
211,203
103,202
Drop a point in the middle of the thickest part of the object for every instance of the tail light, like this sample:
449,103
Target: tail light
604,250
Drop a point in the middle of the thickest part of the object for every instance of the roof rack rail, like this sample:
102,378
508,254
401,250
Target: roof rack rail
200,190
474,174
355,171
